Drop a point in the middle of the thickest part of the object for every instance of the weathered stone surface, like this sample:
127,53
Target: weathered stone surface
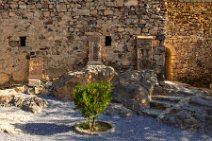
63,87
183,106
118,109
61,28
29,103
182,119
131,3
20,76
119,3
133,89
33,104
194,114
4,78
56,31
21,89
35,90
7,97
188,39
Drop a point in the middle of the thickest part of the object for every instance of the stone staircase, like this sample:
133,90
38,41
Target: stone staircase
160,103
182,106
168,95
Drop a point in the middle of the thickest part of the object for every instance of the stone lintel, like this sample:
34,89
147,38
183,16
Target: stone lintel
146,37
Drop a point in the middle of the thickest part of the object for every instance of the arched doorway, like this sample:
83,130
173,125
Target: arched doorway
169,63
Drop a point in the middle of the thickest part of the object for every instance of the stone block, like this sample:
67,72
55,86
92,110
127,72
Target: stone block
119,3
4,78
131,3
34,82
83,12
36,68
20,75
61,7
108,12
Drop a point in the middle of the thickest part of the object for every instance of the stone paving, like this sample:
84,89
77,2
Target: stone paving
56,121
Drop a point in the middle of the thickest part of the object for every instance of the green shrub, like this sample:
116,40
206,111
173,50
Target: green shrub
92,100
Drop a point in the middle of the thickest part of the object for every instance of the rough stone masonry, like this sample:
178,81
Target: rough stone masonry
189,40
132,36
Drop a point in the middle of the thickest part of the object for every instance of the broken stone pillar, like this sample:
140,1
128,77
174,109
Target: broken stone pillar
95,57
35,71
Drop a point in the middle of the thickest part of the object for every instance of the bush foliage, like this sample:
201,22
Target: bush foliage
92,100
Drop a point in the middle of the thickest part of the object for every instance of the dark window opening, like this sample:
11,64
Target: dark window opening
108,41
22,41
32,53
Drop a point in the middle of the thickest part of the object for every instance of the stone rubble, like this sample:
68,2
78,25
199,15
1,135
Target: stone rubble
63,87
26,102
133,89
117,109
193,114
192,111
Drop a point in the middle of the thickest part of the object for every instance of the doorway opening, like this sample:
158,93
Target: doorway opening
169,62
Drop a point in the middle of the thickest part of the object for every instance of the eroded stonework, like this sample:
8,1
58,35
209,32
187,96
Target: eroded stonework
58,31
189,40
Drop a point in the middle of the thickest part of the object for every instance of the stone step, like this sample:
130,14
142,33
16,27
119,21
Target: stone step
157,104
152,112
174,99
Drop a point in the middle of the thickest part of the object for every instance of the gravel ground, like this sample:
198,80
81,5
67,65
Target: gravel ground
56,121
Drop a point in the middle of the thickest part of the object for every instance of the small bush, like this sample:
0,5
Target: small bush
92,100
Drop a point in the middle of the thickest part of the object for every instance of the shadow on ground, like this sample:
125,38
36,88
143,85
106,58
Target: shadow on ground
45,129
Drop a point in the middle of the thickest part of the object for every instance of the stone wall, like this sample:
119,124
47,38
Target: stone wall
58,30
189,42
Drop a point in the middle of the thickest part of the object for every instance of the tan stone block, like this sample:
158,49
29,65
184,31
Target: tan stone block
21,89
46,14
61,7
131,3
155,43
94,12
142,21
13,5
83,12
109,4
108,12
120,29
145,30
125,61
20,76
22,6
12,14
119,3
36,68
4,78
51,6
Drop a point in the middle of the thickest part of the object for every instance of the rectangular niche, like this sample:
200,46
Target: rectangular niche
22,41
108,41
